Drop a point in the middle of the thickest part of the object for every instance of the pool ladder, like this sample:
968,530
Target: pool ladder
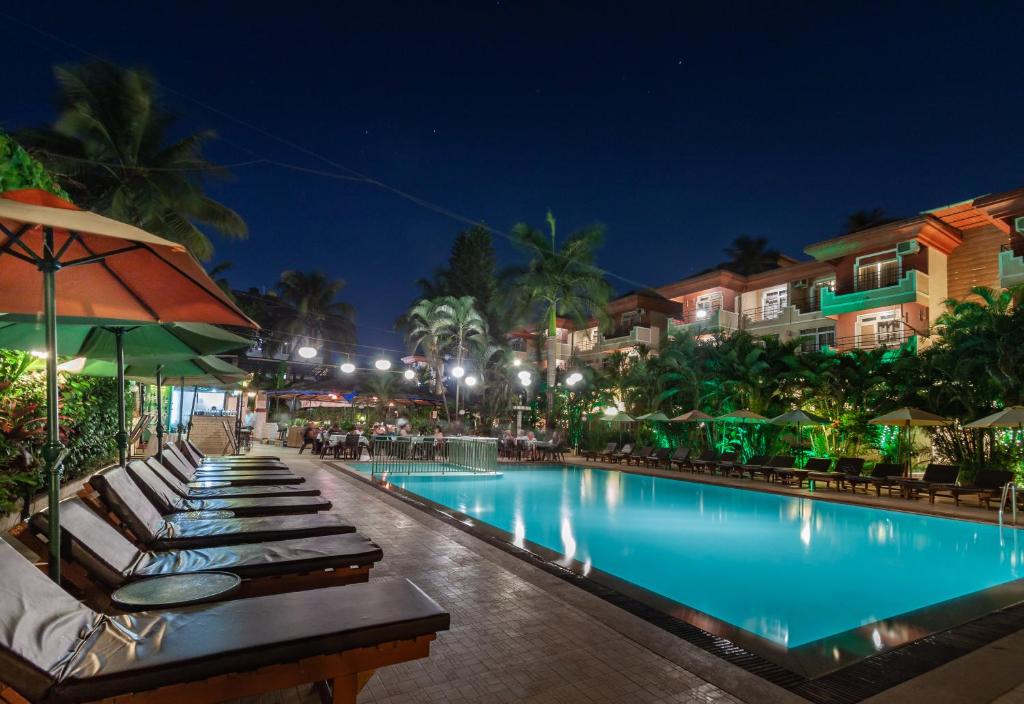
1009,489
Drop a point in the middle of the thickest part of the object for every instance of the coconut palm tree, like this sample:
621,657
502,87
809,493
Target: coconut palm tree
109,149
459,322
425,333
750,255
562,281
313,313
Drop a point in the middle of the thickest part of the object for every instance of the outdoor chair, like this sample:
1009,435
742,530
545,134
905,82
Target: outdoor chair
592,455
934,476
741,469
725,462
819,470
121,497
221,490
619,455
640,455
176,464
274,468
783,468
706,460
99,560
893,475
55,649
679,458
987,483
656,458
194,453
882,470
167,502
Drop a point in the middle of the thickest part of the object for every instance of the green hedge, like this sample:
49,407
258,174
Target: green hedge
19,170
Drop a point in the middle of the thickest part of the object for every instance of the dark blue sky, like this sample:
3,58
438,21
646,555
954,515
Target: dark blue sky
678,126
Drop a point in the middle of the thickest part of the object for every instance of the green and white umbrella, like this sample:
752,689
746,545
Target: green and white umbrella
799,418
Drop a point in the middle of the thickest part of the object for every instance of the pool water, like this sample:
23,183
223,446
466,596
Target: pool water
789,569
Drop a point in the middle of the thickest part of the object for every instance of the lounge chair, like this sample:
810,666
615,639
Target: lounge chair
222,490
125,500
740,469
819,470
55,649
783,468
725,463
657,458
593,455
200,468
882,470
893,475
934,475
106,560
987,483
193,453
706,460
619,455
640,455
679,458
186,473
167,502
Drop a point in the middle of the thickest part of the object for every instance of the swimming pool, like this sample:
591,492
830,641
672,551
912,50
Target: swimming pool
791,571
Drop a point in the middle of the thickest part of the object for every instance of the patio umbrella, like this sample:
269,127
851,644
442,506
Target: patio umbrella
1012,417
127,343
657,416
741,417
109,272
799,418
696,416
907,418
620,419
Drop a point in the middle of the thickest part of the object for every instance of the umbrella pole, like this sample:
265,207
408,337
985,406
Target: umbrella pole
159,414
181,406
192,412
53,450
122,425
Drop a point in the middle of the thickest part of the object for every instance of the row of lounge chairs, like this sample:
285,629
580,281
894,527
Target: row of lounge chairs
305,612
848,473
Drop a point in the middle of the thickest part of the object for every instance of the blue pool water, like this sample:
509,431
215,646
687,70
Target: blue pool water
788,569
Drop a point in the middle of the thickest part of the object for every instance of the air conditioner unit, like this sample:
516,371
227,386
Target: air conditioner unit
802,283
1018,225
908,247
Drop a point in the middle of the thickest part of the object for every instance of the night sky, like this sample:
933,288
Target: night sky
679,126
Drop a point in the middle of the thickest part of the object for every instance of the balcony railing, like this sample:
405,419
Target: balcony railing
876,291
889,340
1011,264
704,319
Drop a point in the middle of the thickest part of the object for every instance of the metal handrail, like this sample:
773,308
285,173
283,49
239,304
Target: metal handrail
1011,489
422,454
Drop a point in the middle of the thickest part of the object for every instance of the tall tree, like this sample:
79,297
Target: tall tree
313,312
426,333
459,321
562,281
109,148
750,255
472,271
863,219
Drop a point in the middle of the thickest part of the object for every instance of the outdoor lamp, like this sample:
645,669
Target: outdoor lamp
525,379
251,394
574,379
458,372
470,381
701,314
523,374
348,368
307,352
611,411
516,362
409,374
383,364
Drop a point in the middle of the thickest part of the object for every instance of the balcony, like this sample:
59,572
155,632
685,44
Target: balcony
756,319
621,340
702,320
876,292
1011,267
904,340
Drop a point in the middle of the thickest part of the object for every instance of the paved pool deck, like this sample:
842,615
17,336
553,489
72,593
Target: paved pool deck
521,634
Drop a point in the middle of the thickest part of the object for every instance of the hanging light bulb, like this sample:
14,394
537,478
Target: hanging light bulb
383,364
523,373
516,362
307,352
470,381
348,368
525,379
574,379
409,374
458,372
611,411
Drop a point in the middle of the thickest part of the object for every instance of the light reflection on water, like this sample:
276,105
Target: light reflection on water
789,569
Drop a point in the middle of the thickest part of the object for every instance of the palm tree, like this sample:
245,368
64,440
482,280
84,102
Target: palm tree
383,386
109,149
562,282
750,255
314,313
863,219
425,333
459,321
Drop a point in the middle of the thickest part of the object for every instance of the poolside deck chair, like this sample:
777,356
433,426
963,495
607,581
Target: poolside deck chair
725,462
100,560
706,460
987,484
126,501
186,473
656,458
819,470
640,455
55,649
935,474
593,455
167,502
679,458
135,435
621,454
782,468
275,467
742,469
880,471
194,453
893,474
222,490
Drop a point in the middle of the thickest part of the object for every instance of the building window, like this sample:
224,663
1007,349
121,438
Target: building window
877,271
773,301
879,329
815,339
819,286
707,304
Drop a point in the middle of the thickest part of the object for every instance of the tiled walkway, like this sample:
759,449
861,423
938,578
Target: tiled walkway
512,639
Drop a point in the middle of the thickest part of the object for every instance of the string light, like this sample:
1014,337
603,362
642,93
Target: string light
458,372
470,381
348,368
307,352
382,364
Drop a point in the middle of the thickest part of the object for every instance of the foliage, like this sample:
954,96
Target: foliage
750,255
863,219
312,312
19,170
108,147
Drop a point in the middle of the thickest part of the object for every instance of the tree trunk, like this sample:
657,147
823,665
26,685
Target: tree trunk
549,414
